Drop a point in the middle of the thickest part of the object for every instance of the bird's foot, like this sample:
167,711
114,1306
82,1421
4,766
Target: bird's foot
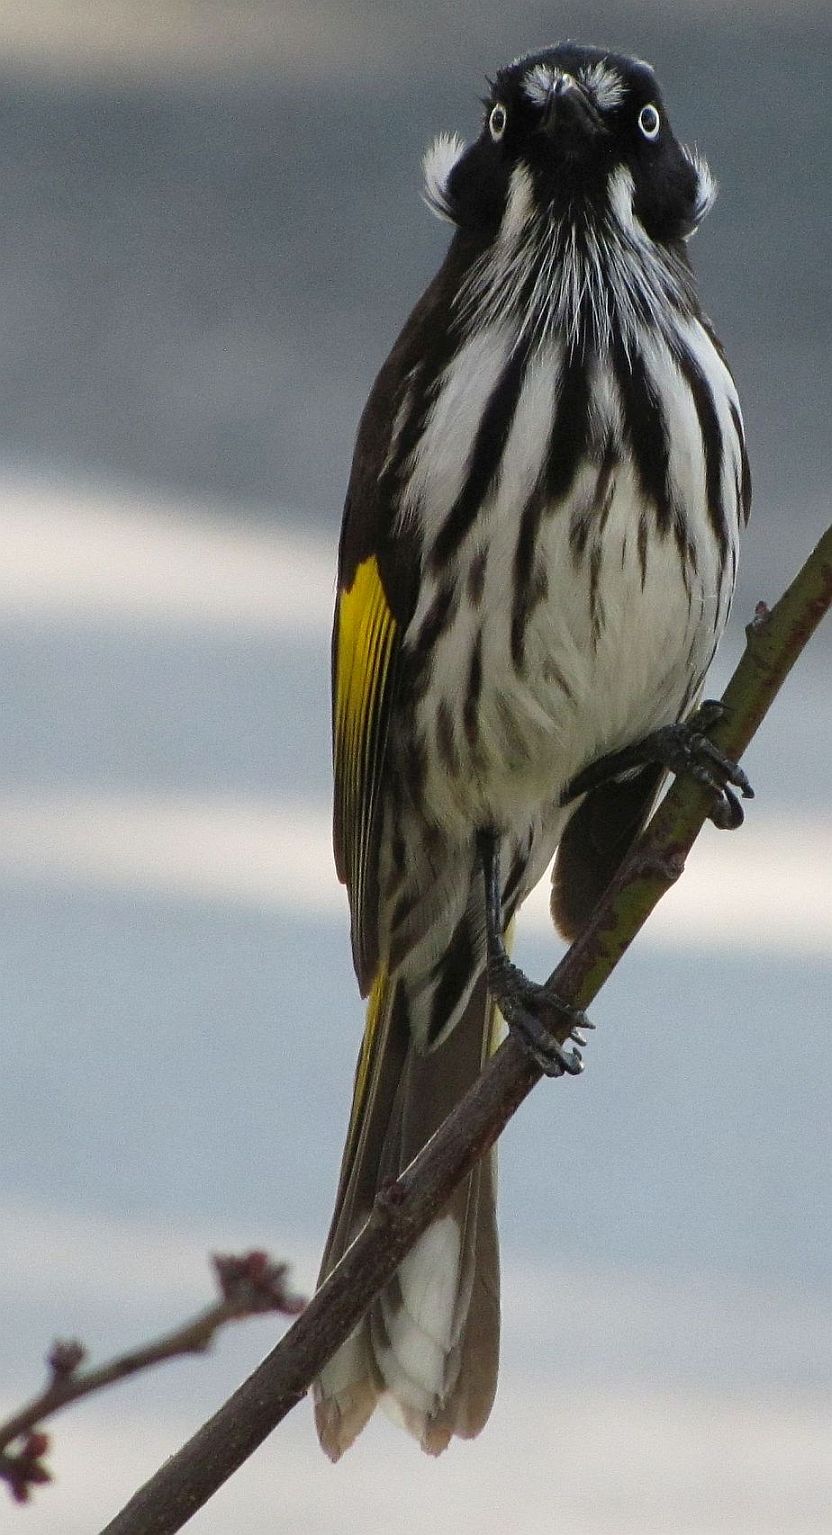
681,748
530,1011
685,748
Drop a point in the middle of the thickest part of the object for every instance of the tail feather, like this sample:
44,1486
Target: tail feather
427,1350
467,1408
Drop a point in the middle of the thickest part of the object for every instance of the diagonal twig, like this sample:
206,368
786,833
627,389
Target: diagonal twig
249,1285
402,1211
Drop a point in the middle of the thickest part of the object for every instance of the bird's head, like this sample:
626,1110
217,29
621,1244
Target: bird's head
576,135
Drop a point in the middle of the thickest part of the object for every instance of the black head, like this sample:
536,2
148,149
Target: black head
577,132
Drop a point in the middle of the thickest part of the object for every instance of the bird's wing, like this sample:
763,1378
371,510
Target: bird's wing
365,645
378,576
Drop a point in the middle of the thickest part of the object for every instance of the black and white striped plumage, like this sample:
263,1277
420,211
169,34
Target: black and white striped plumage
537,561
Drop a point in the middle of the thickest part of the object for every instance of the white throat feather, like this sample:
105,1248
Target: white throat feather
597,274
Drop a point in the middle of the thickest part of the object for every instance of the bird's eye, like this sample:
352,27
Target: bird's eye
649,122
497,122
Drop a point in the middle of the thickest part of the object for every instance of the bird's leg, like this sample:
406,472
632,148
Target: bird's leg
523,1003
682,748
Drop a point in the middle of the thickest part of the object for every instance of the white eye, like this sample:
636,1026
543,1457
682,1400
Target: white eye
497,122
649,122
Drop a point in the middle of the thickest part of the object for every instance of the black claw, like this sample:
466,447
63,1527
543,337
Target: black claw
524,1006
718,765
708,763
540,1045
681,748
727,812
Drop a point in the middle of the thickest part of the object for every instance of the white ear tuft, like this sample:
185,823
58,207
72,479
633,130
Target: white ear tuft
706,188
437,164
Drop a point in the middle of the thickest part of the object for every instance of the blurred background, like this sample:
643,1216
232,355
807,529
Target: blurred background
210,232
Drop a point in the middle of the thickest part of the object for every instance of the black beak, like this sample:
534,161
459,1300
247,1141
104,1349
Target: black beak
569,111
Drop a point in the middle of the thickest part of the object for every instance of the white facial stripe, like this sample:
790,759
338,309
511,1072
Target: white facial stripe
605,84
437,163
640,276
613,273
519,205
621,189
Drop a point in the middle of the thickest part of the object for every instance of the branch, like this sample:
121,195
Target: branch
248,1285
404,1208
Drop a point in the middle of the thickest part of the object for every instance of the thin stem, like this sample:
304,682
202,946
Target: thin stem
193,1337
250,1285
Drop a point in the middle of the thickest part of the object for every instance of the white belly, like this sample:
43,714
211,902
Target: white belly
620,641
599,672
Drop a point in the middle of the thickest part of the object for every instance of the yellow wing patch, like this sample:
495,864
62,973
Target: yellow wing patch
365,637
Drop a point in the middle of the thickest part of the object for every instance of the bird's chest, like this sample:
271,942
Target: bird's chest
559,626
535,680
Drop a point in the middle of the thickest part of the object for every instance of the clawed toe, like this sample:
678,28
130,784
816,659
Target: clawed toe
537,1039
530,1011
726,812
689,751
683,748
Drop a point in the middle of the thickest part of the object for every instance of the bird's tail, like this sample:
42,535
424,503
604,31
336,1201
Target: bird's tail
428,1348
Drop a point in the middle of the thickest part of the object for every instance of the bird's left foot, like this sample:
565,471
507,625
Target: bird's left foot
532,1012
682,748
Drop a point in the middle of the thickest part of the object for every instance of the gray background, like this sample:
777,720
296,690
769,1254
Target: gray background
199,276
210,231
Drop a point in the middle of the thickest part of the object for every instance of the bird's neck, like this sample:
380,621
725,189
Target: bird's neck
579,280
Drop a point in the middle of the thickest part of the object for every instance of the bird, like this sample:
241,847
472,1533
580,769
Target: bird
537,560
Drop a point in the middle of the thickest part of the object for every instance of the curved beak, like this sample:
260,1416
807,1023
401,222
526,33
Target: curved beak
569,110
